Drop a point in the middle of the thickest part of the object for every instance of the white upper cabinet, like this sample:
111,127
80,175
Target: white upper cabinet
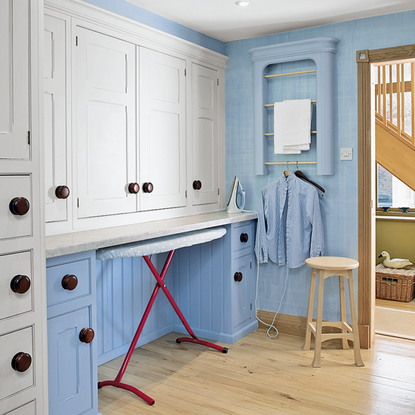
57,178
105,124
205,135
14,79
162,130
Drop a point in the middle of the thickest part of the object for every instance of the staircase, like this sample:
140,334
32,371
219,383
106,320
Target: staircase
395,120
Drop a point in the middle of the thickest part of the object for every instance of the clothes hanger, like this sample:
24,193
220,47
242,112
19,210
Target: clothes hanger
301,175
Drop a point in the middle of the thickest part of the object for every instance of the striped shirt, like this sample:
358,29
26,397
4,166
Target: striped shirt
290,228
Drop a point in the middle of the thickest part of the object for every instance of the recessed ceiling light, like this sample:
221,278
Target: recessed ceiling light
243,3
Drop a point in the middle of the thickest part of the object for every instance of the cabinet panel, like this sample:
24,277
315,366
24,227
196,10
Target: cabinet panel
205,134
17,225
106,152
242,291
55,109
162,129
28,409
14,79
12,381
70,368
12,266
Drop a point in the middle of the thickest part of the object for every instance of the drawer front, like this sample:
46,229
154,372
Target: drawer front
56,293
70,367
16,284
19,190
28,409
242,237
11,344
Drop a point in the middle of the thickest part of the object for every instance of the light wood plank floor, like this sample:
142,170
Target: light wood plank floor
264,376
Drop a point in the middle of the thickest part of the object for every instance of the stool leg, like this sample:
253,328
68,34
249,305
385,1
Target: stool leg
356,342
319,320
343,317
307,341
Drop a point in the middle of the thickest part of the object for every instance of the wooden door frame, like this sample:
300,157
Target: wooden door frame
366,201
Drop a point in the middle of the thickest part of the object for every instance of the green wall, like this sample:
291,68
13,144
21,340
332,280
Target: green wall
395,237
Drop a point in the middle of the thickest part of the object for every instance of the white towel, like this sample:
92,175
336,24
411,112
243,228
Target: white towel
278,131
296,125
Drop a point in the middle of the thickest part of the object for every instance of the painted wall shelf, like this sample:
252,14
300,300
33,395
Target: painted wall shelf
321,51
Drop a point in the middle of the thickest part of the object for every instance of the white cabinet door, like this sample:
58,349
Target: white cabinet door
205,135
55,127
162,130
105,124
14,79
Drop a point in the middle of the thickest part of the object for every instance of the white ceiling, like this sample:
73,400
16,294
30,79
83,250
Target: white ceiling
223,20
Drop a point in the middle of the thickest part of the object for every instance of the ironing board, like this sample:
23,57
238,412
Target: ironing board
145,248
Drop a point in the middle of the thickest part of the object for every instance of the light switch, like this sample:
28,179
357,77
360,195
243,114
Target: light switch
346,154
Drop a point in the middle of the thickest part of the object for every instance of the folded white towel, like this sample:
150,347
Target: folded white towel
296,125
278,131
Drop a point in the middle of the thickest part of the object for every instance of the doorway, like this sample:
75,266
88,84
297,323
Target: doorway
366,185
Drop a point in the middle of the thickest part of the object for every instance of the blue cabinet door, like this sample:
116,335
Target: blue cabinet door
242,291
70,368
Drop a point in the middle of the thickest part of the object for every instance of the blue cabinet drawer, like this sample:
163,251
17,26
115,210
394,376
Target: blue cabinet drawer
67,275
242,237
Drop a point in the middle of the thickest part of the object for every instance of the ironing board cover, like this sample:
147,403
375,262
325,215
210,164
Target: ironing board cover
158,245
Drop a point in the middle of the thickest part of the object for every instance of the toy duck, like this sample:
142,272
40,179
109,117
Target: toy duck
393,263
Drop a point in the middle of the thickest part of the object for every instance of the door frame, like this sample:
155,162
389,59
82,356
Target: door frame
366,184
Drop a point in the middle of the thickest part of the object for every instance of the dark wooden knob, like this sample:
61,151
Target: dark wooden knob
148,187
62,192
69,282
244,237
19,206
86,335
197,185
134,188
238,276
20,284
21,361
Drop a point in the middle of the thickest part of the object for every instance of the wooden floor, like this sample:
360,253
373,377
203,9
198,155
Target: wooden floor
396,305
264,376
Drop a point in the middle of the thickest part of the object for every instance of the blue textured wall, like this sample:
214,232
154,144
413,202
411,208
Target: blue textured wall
339,204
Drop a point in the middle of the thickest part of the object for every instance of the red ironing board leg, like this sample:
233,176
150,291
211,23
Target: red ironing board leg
160,284
193,338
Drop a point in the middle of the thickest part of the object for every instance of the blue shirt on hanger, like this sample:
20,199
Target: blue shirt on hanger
290,228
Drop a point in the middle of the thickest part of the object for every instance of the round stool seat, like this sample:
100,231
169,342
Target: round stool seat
335,263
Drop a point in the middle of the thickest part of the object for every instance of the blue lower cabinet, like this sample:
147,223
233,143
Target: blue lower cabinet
71,335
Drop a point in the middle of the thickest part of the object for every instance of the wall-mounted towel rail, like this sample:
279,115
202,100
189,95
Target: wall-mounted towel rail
313,101
289,162
290,73
270,134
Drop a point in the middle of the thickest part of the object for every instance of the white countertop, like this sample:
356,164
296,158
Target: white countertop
70,243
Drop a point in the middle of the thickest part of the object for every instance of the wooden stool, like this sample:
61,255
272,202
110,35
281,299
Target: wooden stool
326,267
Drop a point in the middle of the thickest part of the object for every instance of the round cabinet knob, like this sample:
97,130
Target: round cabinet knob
86,335
244,237
19,206
148,187
238,276
134,188
20,284
62,192
69,282
197,185
21,362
